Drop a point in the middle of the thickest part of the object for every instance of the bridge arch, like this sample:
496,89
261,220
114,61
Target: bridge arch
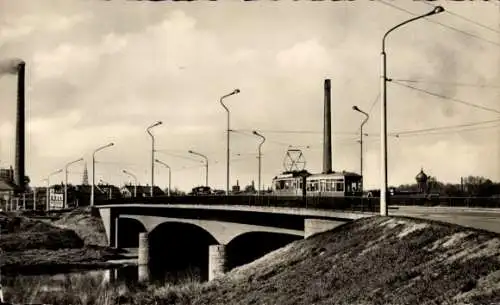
128,233
180,249
247,247
223,232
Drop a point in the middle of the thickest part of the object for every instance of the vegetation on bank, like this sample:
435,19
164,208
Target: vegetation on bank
377,260
36,242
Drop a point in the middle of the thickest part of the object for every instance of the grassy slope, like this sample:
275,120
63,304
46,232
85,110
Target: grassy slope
370,261
74,239
89,228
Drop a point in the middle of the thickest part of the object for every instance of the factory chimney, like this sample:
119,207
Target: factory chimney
327,131
20,132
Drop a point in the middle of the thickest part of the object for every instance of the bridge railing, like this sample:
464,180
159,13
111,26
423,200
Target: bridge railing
317,202
468,202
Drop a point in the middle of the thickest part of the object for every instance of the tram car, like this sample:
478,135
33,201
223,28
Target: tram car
335,184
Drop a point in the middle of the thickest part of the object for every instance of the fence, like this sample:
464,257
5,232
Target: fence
317,202
330,203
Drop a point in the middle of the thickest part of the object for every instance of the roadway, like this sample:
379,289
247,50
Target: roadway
486,219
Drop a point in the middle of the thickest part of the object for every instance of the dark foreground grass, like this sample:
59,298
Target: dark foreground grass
91,288
378,260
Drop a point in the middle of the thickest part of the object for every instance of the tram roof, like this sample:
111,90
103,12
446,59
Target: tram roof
334,174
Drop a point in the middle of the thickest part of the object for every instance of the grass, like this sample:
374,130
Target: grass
73,240
377,260
84,289
88,227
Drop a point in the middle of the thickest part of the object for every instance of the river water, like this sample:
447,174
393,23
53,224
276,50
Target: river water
35,288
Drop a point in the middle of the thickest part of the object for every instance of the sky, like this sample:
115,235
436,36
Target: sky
103,71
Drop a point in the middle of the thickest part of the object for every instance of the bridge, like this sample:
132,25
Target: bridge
222,232
214,236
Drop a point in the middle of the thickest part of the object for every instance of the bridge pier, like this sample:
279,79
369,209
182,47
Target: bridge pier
314,226
143,258
217,261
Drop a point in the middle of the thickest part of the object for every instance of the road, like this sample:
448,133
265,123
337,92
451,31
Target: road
486,219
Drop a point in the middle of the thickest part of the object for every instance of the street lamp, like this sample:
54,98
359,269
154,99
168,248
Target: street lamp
153,155
169,174
135,181
260,156
66,181
355,108
383,112
92,198
236,91
206,164
48,186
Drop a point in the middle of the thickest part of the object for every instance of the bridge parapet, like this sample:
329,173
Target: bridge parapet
327,203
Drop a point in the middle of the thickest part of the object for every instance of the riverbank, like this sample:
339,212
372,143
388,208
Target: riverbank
38,242
377,260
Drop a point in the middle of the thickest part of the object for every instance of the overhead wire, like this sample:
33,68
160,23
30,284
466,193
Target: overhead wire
447,128
374,103
447,11
165,152
441,24
445,83
445,131
449,98
291,131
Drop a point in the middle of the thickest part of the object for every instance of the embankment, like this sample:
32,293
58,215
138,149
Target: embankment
377,260
55,243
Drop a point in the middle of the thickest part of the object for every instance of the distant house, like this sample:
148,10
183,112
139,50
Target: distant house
6,193
127,191
107,191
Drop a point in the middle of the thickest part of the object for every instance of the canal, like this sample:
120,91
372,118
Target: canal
74,287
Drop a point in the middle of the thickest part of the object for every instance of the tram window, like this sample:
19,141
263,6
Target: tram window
280,185
322,185
300,184
339,186
329,186
316,185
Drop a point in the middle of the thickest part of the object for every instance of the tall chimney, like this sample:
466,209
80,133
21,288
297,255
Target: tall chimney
327,131
20,133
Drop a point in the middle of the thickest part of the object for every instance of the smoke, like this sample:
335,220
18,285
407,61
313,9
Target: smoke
10,66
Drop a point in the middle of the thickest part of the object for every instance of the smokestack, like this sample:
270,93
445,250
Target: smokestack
327,131
20,132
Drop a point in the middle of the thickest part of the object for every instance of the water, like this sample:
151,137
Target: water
86,284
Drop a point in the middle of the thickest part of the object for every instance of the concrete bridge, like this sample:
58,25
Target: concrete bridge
212,237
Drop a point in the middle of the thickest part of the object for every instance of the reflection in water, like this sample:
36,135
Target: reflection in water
26,288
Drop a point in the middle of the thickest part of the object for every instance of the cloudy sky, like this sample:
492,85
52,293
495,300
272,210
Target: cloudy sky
100,72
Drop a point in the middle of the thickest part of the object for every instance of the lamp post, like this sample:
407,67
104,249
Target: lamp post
169,174
66,181
355,108
153,155
92,194
260,157
206,164
135,181
48,186
383,111
236,91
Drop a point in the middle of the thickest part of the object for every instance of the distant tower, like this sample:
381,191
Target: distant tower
422,181
85,180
